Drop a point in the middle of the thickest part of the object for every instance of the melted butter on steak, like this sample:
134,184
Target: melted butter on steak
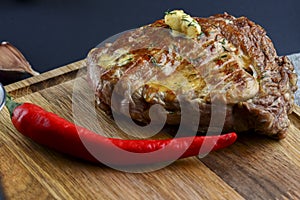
181,22
231,60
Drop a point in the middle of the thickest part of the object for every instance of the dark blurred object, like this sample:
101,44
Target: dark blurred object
13,64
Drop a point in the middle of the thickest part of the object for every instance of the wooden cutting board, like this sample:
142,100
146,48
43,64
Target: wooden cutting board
255,167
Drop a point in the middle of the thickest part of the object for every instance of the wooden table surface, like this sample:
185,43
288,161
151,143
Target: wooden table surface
255,167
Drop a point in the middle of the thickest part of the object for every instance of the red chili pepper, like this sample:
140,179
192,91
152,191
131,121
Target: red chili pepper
49,129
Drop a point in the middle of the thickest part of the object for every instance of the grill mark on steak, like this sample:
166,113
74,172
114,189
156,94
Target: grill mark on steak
233,61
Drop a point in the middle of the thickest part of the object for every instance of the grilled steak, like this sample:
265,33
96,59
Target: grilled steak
231,60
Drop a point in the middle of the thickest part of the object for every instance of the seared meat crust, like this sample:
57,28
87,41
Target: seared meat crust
232,61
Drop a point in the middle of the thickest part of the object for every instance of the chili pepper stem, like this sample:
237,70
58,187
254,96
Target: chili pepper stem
10,104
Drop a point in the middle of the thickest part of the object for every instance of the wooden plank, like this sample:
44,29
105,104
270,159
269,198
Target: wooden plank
255,167
259,167
45,80
67,178
18,182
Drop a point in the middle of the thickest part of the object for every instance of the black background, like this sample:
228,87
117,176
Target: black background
52,33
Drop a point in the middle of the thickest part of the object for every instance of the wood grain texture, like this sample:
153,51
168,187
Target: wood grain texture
254,167
18,182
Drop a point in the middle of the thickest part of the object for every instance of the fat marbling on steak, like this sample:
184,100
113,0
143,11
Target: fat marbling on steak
231,60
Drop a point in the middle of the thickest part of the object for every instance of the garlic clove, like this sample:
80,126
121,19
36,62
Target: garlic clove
11,59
